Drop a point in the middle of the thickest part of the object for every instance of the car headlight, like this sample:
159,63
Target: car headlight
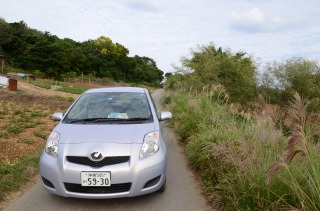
52,144
150,144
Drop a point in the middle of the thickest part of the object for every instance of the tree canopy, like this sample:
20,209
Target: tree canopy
46,54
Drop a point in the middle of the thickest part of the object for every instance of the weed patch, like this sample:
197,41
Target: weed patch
26,141
13,175
64,87
36,114
67,99
14,129
18,112
233,152
4,135
40,135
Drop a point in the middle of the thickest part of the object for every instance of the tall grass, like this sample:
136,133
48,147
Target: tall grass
241,157
304,179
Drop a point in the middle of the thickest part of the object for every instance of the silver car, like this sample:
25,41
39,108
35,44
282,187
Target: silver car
108,144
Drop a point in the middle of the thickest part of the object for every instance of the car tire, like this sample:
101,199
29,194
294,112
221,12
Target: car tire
163,187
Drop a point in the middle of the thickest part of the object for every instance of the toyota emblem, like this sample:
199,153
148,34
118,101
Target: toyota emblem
96,156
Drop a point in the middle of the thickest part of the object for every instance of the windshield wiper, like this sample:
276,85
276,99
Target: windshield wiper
93,120
137,119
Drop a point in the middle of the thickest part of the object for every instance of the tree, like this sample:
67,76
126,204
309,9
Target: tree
146,70
296,75
235,71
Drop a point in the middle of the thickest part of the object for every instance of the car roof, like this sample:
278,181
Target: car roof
118,89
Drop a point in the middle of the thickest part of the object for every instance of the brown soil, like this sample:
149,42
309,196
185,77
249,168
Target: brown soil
29,109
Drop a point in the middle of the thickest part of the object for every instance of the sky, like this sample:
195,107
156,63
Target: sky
167,30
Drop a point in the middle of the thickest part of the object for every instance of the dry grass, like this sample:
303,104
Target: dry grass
297,142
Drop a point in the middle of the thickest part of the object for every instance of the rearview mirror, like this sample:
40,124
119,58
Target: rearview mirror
57,116
165,115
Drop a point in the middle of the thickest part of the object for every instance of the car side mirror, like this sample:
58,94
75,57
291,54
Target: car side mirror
165,115
57,116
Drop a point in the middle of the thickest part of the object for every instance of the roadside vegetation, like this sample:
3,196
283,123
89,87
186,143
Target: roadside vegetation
254,148
25,123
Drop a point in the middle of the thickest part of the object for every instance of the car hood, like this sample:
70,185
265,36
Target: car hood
111,133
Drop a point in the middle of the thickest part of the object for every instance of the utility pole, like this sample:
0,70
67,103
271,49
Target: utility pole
2,63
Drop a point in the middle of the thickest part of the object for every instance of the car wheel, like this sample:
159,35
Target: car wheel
163,187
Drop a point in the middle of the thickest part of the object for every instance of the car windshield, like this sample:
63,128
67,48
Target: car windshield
102,106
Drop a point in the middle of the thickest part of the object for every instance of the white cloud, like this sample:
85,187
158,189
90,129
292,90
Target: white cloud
256,21
255,15
144,5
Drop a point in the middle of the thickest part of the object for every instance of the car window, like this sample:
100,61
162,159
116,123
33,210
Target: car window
110,105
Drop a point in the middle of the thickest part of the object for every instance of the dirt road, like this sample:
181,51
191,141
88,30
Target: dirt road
36,91
182,193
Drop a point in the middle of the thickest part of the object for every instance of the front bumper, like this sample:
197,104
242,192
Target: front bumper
133,178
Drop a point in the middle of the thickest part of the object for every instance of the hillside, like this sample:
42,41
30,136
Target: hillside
46,55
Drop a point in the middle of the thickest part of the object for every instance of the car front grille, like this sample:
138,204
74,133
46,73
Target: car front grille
105,162
114,188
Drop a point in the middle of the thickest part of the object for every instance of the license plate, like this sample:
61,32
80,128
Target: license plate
95,178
